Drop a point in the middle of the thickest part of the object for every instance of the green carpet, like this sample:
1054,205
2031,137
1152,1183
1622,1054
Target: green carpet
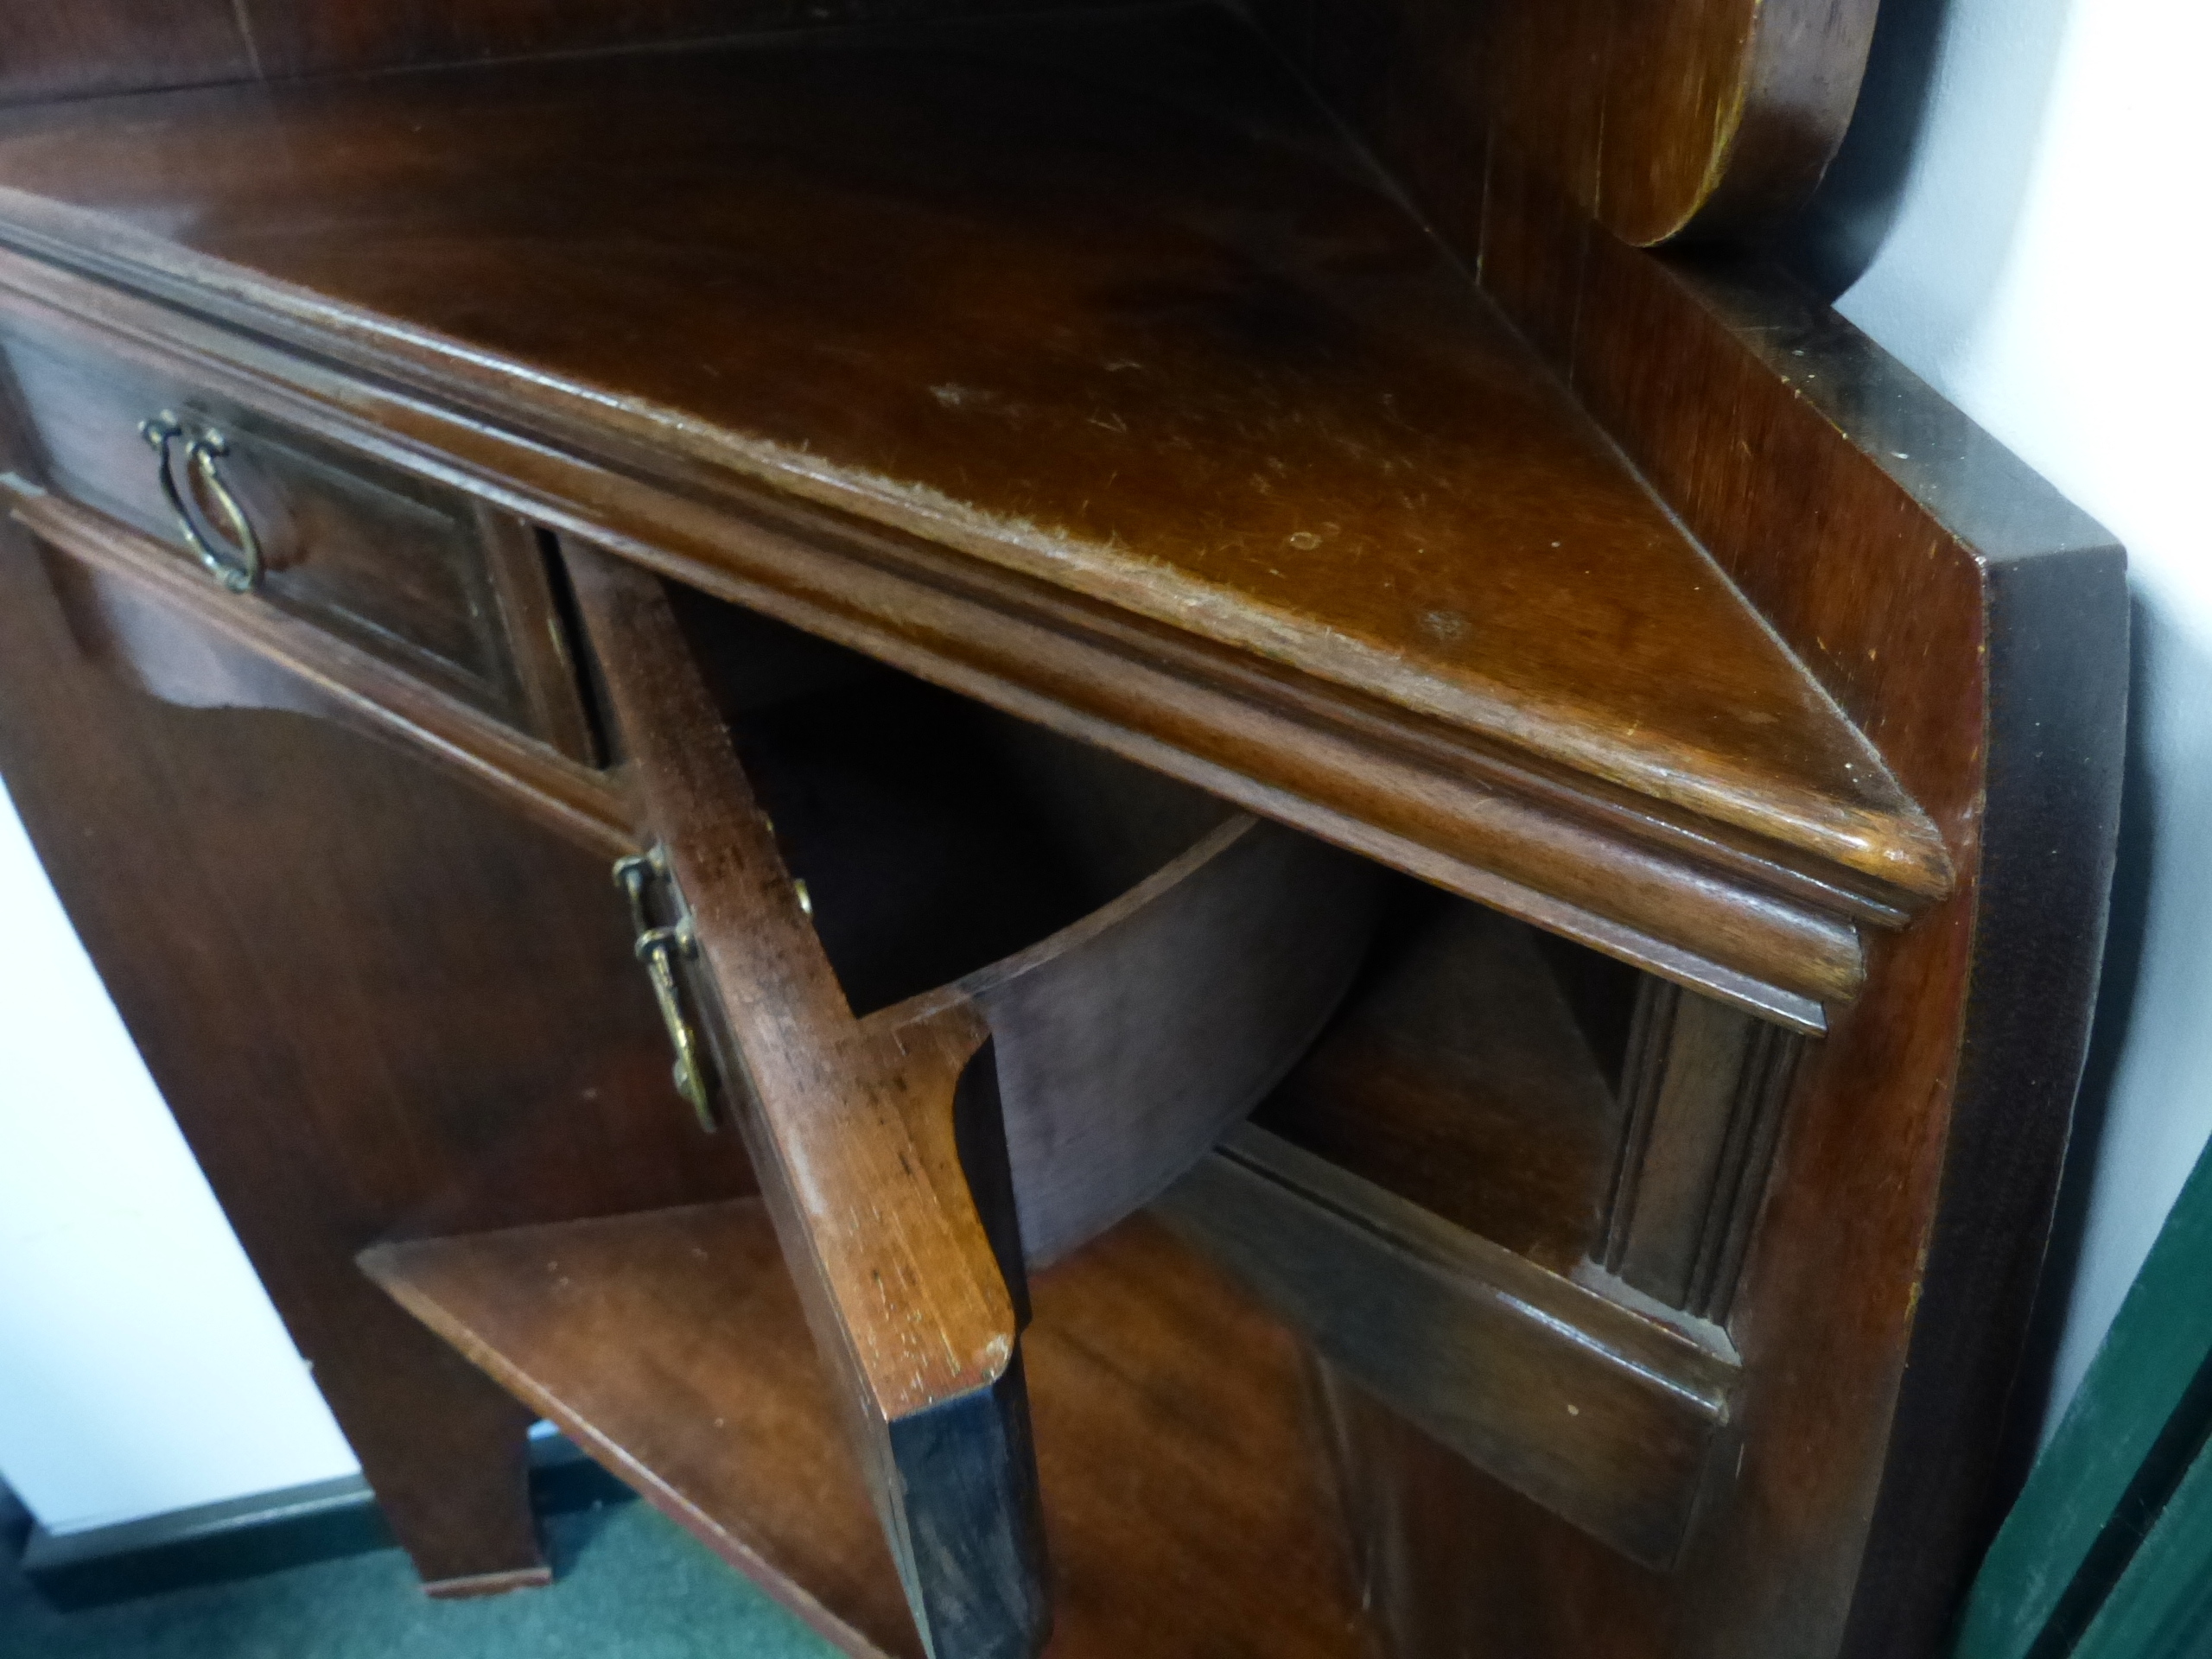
629,1585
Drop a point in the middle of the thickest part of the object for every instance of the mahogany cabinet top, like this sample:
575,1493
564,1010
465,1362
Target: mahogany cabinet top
1103,301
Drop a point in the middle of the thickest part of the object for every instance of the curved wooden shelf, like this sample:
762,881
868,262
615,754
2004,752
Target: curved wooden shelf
1078,363
1184,1492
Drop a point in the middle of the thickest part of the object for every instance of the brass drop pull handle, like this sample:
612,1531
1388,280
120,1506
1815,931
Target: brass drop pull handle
658,946
231,552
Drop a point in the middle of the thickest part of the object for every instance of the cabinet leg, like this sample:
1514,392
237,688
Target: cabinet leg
377,1006
445,1449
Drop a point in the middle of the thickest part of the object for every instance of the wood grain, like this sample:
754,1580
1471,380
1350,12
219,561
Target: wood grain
1184,1493
1121,1045
1127,1044
1713,117
671,1347
75,48
533,629
334,676
450,592
1707,119
1458,1078
316,37
1951,602
336,963
1456,814
1262,407
1704,1092
1605,1418
1598,736
1149,960
855,1131
1812,658
66,48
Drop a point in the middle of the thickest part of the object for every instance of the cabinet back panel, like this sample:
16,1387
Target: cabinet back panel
78,49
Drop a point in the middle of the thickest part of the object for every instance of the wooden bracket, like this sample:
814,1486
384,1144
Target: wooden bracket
1704,1088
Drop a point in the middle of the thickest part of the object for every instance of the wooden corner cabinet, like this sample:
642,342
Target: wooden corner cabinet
1354,886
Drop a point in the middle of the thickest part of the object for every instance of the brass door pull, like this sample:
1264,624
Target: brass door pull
230,553
658,946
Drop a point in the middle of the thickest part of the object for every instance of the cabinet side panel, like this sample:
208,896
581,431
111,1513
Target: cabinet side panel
1892,545
376,1006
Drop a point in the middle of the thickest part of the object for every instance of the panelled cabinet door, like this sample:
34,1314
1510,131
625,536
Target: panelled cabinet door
1032,985
876,1142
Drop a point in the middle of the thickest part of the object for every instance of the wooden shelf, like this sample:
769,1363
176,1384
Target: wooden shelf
1078,364
1424,1199
1185,1500
1474,1344
1459,1076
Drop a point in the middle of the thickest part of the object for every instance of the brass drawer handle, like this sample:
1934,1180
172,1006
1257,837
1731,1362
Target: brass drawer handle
232,553
658,946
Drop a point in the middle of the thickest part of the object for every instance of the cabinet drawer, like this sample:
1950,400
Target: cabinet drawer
441,587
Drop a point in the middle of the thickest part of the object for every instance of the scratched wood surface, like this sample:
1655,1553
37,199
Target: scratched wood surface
1974,623
1267,407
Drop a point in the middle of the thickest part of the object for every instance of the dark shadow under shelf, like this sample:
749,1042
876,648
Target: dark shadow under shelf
936,835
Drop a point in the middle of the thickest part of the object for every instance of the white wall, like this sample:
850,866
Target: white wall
142,1368
2047,272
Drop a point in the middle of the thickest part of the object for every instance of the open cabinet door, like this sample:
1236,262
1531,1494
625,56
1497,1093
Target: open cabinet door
876,1141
